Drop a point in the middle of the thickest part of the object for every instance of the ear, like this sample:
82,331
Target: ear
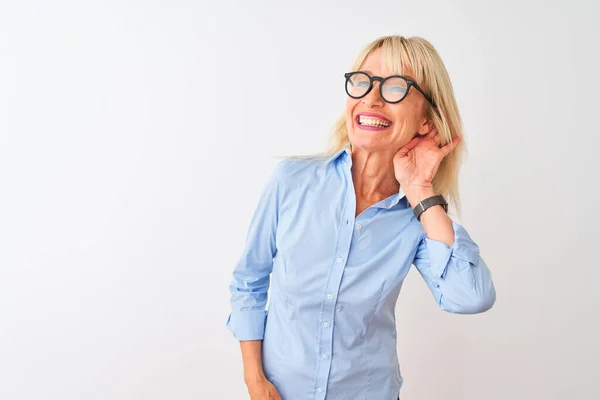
425,127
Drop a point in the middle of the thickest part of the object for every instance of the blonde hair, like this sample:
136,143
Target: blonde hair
417,57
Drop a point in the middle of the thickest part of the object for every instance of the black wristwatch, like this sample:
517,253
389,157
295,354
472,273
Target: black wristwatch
430,202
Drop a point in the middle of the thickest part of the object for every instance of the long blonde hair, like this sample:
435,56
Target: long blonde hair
418,57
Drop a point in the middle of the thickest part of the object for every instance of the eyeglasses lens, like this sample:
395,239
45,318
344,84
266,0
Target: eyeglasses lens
394,89
357,85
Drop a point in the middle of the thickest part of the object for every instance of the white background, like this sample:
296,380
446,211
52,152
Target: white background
132,156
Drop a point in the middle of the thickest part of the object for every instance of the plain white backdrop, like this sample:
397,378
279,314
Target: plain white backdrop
135,138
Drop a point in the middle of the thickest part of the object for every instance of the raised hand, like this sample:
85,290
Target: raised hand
416,164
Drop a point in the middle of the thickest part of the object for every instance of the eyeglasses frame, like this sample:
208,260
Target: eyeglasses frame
381,80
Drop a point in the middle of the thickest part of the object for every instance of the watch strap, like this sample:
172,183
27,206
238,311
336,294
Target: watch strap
430,202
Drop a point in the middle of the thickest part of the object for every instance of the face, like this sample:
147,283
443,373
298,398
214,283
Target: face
403,120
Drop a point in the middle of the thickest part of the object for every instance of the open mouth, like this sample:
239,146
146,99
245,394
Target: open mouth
372,122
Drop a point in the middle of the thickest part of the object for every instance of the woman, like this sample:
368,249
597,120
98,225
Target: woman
334,236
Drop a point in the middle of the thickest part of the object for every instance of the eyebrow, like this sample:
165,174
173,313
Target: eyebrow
371,73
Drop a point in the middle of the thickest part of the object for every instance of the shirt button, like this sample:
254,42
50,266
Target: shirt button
324,355
319,390
326,325
359,226
330,296
339,259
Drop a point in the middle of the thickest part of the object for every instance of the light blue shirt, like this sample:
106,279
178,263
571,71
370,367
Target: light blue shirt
330,330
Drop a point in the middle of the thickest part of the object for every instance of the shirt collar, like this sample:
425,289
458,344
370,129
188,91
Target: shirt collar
394,199
345,154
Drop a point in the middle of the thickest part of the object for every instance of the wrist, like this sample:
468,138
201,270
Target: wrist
414,194
252,377
430,203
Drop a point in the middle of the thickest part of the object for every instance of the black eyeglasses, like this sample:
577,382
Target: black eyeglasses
392,89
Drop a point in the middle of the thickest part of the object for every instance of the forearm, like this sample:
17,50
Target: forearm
436,223
450,262
252,360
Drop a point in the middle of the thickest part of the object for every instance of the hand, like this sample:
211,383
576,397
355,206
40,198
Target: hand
416,164
263,390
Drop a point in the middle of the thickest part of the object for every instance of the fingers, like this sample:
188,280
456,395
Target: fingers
447,149
274,393
408,147
274,396
412,144
433,134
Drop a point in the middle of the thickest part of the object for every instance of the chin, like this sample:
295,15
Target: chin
366,141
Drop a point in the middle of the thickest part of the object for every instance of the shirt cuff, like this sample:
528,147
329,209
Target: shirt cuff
464,251
248,324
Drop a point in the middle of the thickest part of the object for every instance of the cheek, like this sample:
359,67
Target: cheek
402,130
350,105
407,120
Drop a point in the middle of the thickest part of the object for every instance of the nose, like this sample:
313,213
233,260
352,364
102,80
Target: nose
373,98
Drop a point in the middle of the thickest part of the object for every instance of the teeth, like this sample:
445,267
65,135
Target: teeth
373,122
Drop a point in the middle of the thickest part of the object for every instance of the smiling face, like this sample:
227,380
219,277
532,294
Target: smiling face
376,125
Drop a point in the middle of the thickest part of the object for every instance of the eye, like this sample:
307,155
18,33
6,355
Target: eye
395,89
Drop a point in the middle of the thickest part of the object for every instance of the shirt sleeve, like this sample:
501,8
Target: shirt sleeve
458,277
251,274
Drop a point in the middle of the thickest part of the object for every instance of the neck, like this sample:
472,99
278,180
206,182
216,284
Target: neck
373,174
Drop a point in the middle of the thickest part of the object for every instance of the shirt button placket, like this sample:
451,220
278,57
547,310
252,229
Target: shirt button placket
327,324
326,333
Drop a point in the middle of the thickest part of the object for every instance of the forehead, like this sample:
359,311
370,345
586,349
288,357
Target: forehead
382,63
